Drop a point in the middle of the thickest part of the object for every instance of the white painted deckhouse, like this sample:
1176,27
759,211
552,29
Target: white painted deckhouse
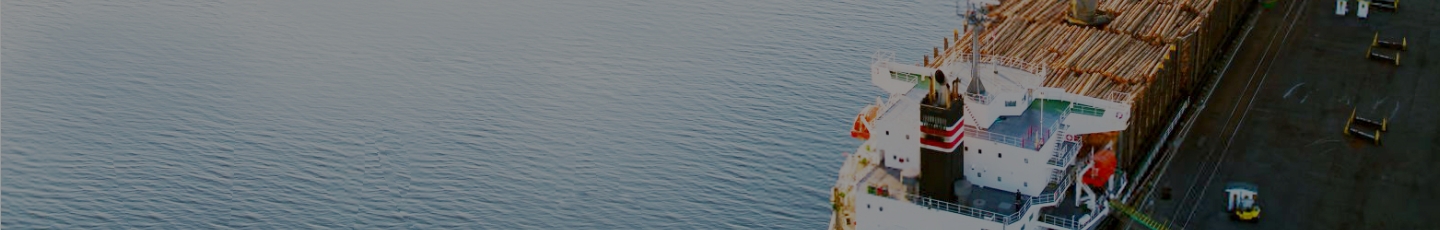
977,144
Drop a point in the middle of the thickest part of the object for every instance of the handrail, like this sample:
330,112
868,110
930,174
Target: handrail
971,131
880,58
1088,110
1062,188
969,211
1007,61
1062,154
1119,97
979,98
1059,221
954,208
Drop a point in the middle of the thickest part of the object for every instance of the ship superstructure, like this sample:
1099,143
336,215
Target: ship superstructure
978,144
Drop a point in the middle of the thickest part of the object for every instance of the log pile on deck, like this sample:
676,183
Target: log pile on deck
1114,62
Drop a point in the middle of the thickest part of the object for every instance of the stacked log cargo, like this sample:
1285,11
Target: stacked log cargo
1112,63
1150,56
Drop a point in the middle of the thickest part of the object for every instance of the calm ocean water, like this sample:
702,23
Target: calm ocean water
631,114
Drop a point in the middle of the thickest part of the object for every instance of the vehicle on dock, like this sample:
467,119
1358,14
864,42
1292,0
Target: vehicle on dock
1242,202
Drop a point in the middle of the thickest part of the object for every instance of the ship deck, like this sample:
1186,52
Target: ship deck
888,178
1275,120
991,199
1032,127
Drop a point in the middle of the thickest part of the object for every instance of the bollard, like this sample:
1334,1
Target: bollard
1382,57
1384,124
1376,42
1386,6
1374,137
1349,121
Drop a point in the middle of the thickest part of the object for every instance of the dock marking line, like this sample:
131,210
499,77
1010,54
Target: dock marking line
1224,151
1292,90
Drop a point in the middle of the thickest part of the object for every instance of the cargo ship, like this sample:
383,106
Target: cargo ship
994,150
1025,122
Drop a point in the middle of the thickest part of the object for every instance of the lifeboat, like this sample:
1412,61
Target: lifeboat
1103,165
861,128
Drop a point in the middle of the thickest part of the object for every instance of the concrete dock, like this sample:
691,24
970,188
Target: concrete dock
1276,115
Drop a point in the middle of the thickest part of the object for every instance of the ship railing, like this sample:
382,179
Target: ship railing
1015,63
1118,97
1015,217
1057,134
1063,183
1087,110
979,98
971,211
1059,221
914,197
1041,199
879,59
956,208
971,131
1064,151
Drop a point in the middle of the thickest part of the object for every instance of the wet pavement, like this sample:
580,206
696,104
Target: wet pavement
1275,120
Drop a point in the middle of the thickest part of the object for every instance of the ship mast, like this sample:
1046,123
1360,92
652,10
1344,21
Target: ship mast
973,19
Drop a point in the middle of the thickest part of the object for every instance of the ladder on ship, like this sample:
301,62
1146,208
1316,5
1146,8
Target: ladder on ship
1139,217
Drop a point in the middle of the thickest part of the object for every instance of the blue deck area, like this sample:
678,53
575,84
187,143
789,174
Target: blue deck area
994,200
1033,126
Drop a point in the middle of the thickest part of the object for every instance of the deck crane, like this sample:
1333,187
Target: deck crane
1083,12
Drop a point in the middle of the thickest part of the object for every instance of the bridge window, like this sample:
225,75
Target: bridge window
1010,104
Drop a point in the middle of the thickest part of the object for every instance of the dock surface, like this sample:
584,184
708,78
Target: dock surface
1275,119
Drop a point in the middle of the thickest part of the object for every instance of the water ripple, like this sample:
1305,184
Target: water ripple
492,115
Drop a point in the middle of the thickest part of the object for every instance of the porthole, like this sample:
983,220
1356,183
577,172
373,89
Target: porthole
1026,184
998,179
966,148
907,137
867,206
1027,160
999,155
980,151
882,209
887,132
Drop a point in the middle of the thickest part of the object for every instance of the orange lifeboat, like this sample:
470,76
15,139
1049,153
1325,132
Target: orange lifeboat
861,128
1102,166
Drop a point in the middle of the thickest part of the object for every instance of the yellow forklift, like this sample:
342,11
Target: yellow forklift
1242,201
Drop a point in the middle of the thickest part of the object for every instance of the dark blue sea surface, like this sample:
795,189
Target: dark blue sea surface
609,114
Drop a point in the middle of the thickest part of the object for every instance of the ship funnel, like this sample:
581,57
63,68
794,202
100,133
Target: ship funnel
945,87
